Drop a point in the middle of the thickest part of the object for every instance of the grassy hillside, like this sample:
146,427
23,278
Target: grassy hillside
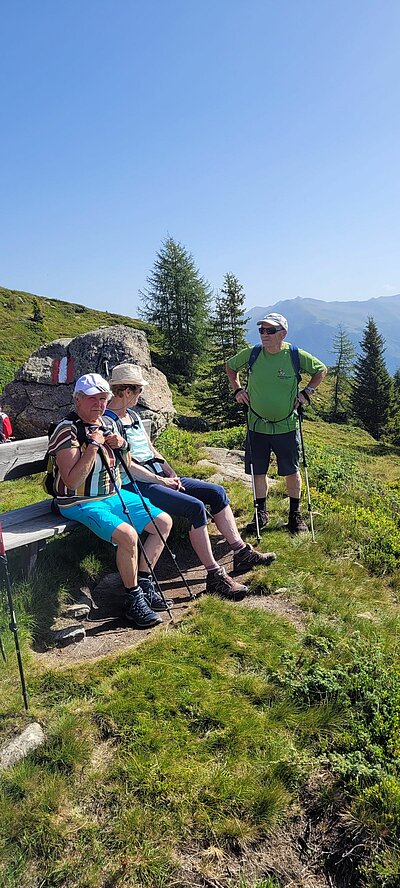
216,753
21,335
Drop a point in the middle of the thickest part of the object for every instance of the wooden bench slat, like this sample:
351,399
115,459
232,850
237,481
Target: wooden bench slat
18,536
21,458
26,514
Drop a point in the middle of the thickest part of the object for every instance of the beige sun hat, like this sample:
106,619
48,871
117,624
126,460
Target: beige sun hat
127,374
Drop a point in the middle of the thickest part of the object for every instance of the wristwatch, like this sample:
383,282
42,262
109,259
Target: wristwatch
309,389
93,443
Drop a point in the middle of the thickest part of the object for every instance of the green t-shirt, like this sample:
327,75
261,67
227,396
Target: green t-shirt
272,387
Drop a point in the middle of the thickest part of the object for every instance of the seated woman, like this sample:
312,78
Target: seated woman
86,493
180,496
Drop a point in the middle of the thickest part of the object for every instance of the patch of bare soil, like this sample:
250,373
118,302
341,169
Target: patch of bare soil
283,855
311,849
279,604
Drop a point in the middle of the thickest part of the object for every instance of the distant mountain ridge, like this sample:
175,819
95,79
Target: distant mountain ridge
313,324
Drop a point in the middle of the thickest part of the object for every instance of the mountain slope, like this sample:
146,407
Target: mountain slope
21,335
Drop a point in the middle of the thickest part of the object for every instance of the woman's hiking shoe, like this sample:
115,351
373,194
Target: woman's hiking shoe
263,518
221,584
296,523
152,595
247,558
138,612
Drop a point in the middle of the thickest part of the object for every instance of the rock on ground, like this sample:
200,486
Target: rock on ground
21,746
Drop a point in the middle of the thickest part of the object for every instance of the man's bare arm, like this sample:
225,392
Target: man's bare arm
240,395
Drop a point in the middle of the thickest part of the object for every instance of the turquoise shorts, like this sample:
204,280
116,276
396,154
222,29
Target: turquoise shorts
103,516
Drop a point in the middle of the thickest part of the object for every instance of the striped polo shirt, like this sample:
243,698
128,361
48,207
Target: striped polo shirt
97,484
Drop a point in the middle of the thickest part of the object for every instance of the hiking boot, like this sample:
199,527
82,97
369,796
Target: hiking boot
263,518
248,558
138,612
152,595
296,523
221,584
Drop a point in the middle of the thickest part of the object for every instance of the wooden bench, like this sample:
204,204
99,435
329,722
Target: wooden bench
31,526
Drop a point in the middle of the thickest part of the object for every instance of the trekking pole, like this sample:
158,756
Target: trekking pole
13,623
309,506
145,506
141,546
253,483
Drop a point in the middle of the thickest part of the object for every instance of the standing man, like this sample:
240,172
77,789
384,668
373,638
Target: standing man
272,398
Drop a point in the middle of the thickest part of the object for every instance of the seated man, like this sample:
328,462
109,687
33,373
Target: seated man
85,492
180,496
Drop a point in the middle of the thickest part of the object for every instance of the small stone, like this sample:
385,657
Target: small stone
76,611
69,635
21,746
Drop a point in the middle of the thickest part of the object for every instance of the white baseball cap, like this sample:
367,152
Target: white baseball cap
92,384
276,320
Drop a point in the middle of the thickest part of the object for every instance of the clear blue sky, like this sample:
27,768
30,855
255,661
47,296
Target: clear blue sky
262,135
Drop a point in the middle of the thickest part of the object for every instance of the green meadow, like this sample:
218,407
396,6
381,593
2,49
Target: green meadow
180,763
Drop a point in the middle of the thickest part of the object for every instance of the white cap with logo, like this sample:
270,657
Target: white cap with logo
92,384
276,320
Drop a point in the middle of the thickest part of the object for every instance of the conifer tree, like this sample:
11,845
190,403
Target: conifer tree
371,396
226,337
396,384
176,300
341,373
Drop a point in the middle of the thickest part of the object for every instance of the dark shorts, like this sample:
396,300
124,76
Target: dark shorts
189,503
285,447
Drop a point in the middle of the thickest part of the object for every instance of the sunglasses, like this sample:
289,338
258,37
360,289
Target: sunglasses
133,388
270,330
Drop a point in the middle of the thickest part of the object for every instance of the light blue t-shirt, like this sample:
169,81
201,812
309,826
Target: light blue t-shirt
137,440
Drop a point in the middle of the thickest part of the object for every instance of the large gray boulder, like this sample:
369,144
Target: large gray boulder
41,392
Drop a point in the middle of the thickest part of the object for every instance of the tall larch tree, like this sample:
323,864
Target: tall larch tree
227,335
371,397
341,375
176,300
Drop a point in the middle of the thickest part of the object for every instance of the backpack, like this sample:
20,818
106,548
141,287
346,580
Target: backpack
294,354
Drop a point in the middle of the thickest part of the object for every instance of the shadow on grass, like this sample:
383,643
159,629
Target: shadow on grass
60,572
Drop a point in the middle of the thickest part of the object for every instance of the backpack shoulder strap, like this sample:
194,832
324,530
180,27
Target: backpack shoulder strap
294,354
114,418
110,413
79,424
253,357
134,416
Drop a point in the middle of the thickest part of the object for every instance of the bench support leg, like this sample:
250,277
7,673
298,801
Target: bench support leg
30,556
